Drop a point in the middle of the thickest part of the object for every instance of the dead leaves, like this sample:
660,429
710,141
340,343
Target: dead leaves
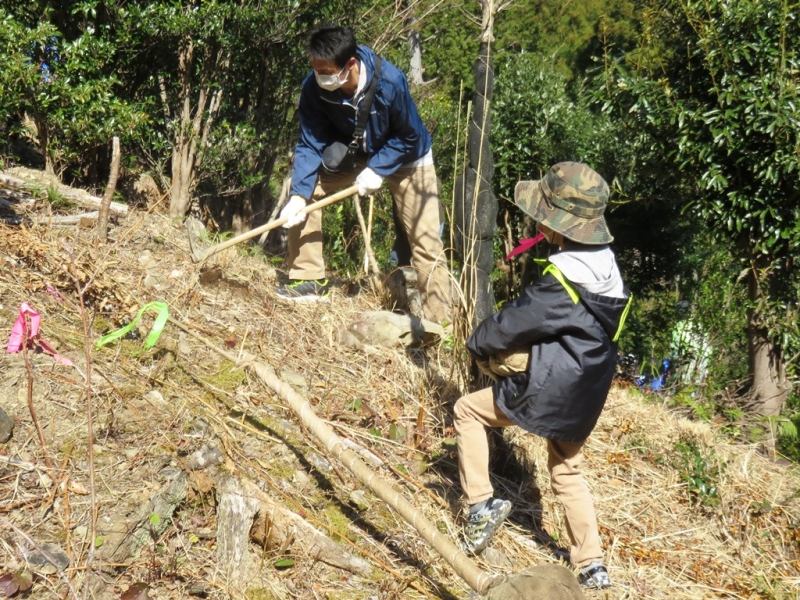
137,591
11,583
51,265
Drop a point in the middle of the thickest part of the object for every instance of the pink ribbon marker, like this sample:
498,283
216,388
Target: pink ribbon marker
18,332
524,245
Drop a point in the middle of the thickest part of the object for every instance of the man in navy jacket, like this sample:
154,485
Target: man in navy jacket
396,147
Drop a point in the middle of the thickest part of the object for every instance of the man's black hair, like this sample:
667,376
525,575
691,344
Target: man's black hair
331,42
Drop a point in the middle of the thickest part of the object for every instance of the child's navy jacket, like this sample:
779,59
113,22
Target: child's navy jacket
572,335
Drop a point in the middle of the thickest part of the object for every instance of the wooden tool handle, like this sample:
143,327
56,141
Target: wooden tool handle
345,193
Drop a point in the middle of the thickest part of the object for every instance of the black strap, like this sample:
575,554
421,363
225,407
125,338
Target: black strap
362,114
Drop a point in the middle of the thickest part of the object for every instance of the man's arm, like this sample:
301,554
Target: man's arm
314,136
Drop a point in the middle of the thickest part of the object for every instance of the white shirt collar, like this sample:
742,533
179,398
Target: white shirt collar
362,78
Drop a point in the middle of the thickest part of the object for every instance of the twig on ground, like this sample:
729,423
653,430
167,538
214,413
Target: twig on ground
31,407
87,350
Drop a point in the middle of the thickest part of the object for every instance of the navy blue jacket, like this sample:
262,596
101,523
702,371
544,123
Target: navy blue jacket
395,134
573,357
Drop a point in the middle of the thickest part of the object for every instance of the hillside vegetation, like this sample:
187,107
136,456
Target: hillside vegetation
178,430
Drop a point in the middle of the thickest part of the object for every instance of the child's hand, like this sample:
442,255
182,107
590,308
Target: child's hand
483,365
510,362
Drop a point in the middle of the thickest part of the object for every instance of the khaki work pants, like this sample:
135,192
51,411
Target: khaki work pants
476,411
416,197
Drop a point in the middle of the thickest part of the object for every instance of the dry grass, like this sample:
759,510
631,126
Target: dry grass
151,409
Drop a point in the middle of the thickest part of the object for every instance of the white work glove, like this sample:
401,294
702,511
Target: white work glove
368,182
293,211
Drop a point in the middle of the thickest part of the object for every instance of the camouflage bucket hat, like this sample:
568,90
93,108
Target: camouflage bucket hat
571,200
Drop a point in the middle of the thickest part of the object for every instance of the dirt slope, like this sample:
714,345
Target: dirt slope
174,424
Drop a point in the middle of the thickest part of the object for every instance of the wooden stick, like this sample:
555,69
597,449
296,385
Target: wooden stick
102,219
367,242
370,214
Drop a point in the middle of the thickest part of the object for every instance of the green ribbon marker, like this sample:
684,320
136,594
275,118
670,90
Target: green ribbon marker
158,326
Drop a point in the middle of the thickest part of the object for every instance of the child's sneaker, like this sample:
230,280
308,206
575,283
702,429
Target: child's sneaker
312,290
594,576
482,524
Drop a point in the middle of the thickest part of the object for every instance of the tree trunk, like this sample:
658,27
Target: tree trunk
415,47
414,44
184,138
771,386
43,136
475,207
192,131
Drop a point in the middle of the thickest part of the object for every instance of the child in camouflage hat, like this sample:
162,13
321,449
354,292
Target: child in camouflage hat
569,320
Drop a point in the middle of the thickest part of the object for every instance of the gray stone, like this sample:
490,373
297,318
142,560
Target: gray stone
320,463
207,456
359,499
201,428
295,380
154,397
144,258
152,282
6,426
553,582
384,328
48,559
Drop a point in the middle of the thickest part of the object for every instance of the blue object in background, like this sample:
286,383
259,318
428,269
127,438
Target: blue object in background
48,57
661,381
649,383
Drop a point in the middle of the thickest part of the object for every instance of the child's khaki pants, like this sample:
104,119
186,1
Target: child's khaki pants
476,411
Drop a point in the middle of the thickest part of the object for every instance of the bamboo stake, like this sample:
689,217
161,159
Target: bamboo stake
370,255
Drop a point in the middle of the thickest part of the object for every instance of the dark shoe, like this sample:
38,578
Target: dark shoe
594,576
312,290
481,525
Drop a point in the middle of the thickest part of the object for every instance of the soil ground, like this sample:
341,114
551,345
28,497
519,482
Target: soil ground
684,511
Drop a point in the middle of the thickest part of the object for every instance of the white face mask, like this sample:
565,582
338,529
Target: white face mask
330,82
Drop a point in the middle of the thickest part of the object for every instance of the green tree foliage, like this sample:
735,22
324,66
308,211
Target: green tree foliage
714,85
450,41
568,33
216,80
223,76
539,120
65,86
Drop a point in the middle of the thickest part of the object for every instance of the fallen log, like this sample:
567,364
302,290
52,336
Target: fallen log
68,219
235,511
276,527
127,532
76,196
